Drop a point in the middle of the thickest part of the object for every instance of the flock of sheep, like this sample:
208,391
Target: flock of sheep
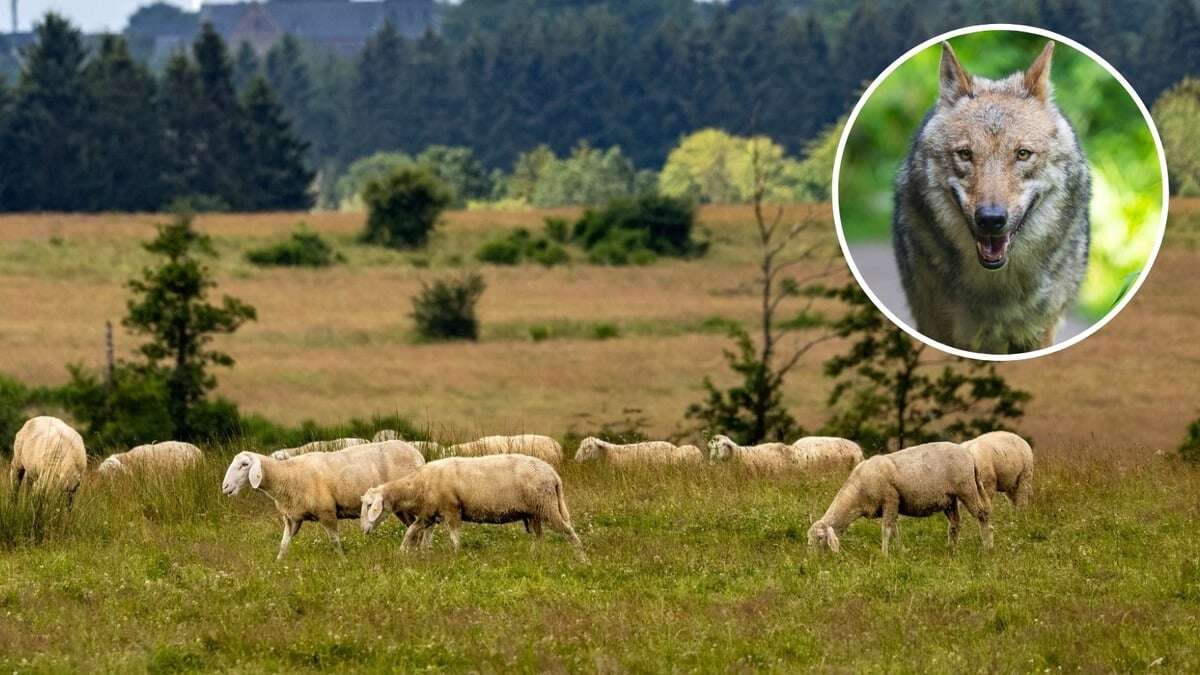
506,479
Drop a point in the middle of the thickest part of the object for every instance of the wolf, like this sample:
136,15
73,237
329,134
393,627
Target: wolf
990,214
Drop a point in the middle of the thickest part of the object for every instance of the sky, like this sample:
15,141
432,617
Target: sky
94,16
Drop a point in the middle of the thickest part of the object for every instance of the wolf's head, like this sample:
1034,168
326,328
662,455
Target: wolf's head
996,146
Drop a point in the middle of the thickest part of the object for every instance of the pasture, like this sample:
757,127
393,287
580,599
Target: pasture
703,568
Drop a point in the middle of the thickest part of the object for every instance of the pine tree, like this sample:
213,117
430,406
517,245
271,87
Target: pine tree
224,161
376,95
1174,52
279,178
182,110
125,168
45,143
245,66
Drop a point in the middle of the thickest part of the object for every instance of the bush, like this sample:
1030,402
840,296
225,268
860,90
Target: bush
1177,113
15,399
519,245
404,207
503,250
539,333
304,248
626,227
605,330
459,169
445,309
557,229
366,170
1190,450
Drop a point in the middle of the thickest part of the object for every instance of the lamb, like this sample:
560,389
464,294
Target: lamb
763,457
650,452
543,447
1005,464
319,446
827,452
320,486
50,454
168,455
493,489
918,481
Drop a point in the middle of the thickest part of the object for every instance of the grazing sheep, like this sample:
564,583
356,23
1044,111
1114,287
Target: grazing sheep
168,455
385,435
428,447
50,454
764,457
320,486
319,446
1005,464
492,489
827,452
592,449
543,447
918,481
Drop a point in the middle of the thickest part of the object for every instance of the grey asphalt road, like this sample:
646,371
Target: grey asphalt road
877,265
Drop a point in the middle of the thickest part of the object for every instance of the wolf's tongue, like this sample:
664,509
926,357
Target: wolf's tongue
993,249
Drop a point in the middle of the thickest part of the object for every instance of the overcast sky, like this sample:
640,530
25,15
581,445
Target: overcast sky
93,16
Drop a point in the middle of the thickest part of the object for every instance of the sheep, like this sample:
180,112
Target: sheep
764,457
168,455
661,452
319,446
1005,464
428,447
491,489
543,447
827,452
385,435
320,486
918,481
50,454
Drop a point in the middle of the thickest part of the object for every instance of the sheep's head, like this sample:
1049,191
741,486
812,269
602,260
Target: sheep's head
110,467
372,509
589,450
246,468
822,535
720,448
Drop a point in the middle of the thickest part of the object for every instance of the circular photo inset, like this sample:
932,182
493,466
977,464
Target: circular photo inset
1000,192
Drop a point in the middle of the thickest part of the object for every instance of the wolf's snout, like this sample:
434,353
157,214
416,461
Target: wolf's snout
991,218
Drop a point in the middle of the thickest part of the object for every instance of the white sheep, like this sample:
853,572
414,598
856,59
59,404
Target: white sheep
827,452
592,449
319,446
428,448
535,445
762,457
168,455
385,435
1005,464
320,486
492,489
918,481
50,454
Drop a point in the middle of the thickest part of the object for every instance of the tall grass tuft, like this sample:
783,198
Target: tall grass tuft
29,517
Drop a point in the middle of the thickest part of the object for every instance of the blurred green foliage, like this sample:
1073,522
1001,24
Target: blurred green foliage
1127,181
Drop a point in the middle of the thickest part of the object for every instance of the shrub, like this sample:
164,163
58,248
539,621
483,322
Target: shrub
605,330
519,245
503,250
459,169
366,170
304,248
445,309
547,253
1177,113
539,333
15,398
1190,450
662,225
557,229
404,207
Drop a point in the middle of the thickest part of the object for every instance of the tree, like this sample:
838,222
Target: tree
1177,115
126,166
45,144
753,410
445,309
170,307
181,110
278,177
245,66
404,207
221,125
459,169
895,392
1174,51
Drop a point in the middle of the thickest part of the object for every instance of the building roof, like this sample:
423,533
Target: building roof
326,20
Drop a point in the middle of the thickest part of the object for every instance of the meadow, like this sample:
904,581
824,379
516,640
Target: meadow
692,569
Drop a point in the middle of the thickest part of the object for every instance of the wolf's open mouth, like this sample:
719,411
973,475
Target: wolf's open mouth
993,250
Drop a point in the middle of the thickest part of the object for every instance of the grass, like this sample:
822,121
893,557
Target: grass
690,569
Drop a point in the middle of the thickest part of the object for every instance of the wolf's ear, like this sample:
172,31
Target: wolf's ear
955,82
1037,78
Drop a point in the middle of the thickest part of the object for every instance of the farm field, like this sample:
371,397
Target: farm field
334,343
702,569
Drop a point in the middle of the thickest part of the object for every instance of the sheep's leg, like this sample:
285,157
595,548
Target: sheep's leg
290,528
952,517
534,526
331,526
1024,492
412,534
982,510
891,511
556,523
454,526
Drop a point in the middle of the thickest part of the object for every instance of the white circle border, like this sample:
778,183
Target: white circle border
1130,292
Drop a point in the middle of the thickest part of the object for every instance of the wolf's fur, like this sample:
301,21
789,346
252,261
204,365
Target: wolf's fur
970,153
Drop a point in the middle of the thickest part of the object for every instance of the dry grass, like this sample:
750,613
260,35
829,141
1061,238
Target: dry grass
335,343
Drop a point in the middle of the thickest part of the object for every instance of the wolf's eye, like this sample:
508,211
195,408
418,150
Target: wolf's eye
1024,153
964,154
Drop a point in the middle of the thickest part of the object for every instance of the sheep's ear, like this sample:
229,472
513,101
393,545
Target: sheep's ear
1037,78
256,472
832,538
954,81
376,509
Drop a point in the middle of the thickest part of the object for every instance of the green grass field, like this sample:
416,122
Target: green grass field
702,569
